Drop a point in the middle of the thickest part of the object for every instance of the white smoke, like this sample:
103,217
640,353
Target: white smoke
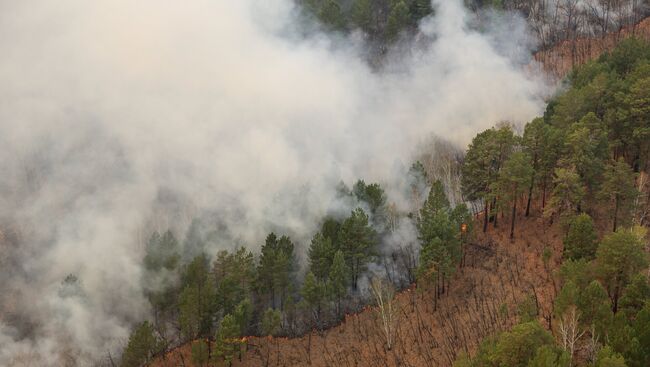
109,108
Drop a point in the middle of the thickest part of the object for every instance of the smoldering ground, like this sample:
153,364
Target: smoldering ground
119,117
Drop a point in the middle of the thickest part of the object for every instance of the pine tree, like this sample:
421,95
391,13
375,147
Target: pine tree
271,322
235,274
358,241
338,280
619,257
320,254
275,272
398,20
227,341
200,353
581,241
313,294
197,300
567,195
619,190
142,346
361,14
514,178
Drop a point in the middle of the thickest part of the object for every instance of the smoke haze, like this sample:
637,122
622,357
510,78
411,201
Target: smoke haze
119,117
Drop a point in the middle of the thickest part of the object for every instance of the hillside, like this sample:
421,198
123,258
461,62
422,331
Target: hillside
498,275
558,60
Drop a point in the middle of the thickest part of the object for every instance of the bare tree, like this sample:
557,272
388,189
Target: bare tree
384,295
569,330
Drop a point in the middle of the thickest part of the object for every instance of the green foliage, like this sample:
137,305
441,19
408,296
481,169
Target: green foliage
361,14
314,295
338,280
275,272
527,310
398,19
331,15
636,295
527,344
374,196
640,355
550,356
143,344
619,257
567,195
321,253
619,191
243,314
358,242
514,178
608,358
271,322
581,241
200,353
197,300
586,149
162,252
227,341
439,235
235,275
595,308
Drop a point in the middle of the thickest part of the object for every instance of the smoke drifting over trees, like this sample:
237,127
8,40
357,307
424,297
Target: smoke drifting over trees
118,118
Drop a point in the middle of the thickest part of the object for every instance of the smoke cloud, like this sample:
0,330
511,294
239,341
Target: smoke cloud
118,117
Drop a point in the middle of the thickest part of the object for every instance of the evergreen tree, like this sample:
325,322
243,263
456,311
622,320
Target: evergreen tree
358,241
586,149
514,178
567,195
321,253
582,240
541,142
200,353
636,295
271,322
361,14
197,300
338,280
275,274
619,257
227,341
619,190
243,314
331,15
313,294
398,19
235,274
142,346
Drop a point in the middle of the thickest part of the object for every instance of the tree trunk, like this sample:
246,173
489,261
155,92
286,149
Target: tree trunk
485,220
530,195
512,223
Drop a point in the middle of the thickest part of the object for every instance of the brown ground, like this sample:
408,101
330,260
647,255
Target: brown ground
561,58
497,276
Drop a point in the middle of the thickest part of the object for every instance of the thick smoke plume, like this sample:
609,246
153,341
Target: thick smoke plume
119,117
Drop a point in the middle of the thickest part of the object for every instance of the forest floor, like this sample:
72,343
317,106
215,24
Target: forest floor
482,299
558,60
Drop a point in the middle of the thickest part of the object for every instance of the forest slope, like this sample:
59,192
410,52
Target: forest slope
498,276
558,60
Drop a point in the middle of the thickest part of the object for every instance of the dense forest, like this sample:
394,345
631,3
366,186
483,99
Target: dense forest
586,162
583,165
